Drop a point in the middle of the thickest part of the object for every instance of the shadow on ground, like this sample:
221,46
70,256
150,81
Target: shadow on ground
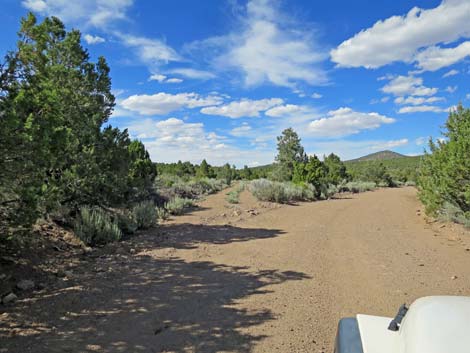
147,303
189,236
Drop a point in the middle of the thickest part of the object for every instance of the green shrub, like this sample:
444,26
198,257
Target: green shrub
127,222
444,175
172,186
177,205
145,214
398,183
403,169
266,190
452,213
162,213
357,186
328,191
96,227
234,195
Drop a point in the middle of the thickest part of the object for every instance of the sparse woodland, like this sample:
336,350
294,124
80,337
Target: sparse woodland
62,160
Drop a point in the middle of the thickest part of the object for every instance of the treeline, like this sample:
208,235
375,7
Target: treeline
444,176
205,170
59,158
396,170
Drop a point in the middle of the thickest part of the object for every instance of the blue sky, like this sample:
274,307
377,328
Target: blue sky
220,79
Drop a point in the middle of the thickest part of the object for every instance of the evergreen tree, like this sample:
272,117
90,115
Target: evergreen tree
142,172
335,169
290,151
225,173
55,152
246,173
204,170
444,176
313,172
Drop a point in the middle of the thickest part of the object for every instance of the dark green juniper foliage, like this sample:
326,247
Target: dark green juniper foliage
335,170
290,151
55,152
400,169
444,178
313,172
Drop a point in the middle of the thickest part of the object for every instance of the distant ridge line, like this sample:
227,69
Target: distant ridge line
377,156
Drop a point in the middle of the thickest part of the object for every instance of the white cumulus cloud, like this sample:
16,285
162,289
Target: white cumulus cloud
451,73
174,80
421,109
98,13
417,100
267,47
243,108
345,121
164,103
157,77
408,85
286,110
451,89
90,39
150,51
193,73
399,38
240,131
174,139
435,58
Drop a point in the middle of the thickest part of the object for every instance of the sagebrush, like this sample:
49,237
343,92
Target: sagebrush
96,227
281,192
145,214
177,205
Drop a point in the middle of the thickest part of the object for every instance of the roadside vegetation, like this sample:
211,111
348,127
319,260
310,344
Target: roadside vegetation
63,162
444,176
297,177
398,171
234,195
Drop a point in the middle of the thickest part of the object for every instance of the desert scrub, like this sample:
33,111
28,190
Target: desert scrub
177,205
357,186
207,186
126,222
266,190
328,191
96,227
162,213
172,186
234,195
145,214
453,213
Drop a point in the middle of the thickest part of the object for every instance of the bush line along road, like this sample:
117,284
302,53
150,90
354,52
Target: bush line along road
250,277
103,250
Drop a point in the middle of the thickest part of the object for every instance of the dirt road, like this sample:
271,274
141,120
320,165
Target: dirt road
247,278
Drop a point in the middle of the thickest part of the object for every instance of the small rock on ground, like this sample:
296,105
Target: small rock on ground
9,298
25,284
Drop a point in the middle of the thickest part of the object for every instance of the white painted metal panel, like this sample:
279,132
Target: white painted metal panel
375,336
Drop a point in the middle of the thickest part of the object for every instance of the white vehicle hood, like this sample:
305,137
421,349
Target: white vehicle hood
439,324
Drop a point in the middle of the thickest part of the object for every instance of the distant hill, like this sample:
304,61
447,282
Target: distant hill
379,156
400,167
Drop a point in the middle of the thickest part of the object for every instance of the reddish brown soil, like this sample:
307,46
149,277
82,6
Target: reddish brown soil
250,277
